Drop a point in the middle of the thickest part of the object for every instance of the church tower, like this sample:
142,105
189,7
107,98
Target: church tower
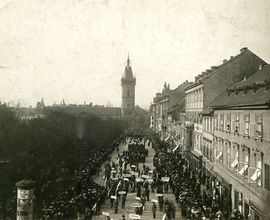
128,82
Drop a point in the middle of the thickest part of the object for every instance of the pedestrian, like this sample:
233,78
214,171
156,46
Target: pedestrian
160,203
111,201
154,209
143,200
116,206
79,216
147,192
139,191
124,199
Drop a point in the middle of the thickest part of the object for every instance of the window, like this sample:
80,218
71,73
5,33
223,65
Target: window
228,154
221,122
128,93
228,122
216,121
267,177
256,177
236,123
245,164
235,158
258,129
247,119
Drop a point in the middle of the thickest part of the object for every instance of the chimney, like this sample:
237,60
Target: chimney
231,57
196,78
224,61
243,49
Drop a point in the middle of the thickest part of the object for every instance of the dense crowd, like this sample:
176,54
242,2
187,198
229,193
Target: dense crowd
186,186
79,196
125,175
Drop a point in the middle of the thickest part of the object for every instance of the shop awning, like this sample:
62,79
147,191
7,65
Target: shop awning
219,155
256,175
234,163
244,168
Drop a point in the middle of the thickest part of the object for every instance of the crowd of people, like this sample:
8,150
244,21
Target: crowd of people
125,175
186,185
78,197
128,174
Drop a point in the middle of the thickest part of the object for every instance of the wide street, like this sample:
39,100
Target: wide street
131,197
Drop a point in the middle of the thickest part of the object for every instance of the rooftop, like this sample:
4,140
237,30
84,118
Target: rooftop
253,91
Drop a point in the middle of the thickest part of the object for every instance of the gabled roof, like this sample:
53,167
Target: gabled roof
254,91
243,65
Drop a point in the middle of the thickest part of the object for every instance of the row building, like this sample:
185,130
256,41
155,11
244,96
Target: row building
223,131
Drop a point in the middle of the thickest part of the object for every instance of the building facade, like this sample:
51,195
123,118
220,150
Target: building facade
236,145
206,88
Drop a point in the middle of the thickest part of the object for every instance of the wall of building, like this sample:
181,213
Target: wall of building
245,152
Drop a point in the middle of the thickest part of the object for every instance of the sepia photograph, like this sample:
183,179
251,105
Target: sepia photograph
134,110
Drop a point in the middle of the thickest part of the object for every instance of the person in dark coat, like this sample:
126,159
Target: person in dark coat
154,209
124,199
116,206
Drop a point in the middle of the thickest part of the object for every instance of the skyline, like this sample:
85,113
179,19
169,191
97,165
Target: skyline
76,50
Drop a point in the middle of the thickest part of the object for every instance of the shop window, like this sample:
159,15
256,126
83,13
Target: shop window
258,129
247,125
267,177
238,198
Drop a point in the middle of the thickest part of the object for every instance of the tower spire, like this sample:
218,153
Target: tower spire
128,61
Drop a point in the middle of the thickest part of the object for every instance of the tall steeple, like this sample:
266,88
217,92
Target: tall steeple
128,83
128,61
128,70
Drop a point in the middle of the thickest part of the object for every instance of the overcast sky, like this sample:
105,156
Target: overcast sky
77,49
